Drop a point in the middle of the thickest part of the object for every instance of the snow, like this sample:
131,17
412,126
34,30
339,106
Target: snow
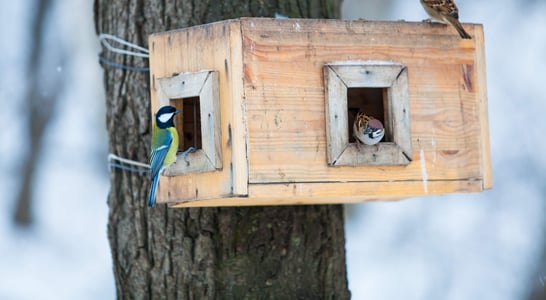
470,246
467,246
65,255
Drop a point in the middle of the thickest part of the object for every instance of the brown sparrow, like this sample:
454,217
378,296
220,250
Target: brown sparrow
445,11
368,130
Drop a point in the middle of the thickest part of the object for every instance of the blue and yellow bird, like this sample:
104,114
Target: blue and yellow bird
164,146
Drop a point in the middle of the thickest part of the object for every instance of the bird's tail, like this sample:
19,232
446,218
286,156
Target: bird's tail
151,196
461,31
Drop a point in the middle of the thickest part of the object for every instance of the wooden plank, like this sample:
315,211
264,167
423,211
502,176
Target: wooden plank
183,85
399,112
369,74
287,139
481,85
362,30
337,127
439,165
237,128
210,120
343,40
196,162
380,154
432,109
369,190
333,193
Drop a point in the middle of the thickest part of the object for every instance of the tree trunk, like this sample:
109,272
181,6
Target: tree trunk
295,252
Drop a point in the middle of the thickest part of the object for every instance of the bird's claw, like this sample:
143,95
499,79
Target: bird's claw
358,146
185,154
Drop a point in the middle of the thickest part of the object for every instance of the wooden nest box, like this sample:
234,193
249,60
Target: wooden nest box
269,106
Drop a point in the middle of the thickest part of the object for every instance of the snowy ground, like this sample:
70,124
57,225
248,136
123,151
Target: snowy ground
472,246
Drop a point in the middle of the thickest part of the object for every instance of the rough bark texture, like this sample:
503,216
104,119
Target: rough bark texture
213,253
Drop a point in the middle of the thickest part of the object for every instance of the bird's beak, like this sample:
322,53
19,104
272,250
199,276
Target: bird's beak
177,111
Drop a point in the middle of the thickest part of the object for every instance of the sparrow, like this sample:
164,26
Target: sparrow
368,130
445,11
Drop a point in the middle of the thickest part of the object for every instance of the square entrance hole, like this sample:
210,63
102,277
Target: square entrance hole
375,88
371,101
188,122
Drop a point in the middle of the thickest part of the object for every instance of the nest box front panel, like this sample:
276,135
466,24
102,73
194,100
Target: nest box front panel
285,105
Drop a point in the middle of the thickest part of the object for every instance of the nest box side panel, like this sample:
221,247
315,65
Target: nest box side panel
284,89
481,90
335,193
208,47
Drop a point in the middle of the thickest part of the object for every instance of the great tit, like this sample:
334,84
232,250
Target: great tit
164,146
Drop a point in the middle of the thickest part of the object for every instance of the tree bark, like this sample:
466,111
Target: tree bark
295,252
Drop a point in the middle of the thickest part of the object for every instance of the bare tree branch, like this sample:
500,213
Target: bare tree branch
40,103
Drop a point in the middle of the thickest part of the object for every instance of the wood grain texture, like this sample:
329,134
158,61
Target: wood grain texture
210,116
371,74
381,154
195,162
237,130
339,78
481,85
183,85
399,114
204,86
336,126
283,79
172,52
274,120
337,193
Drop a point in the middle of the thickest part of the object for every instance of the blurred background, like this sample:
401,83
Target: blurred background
54,176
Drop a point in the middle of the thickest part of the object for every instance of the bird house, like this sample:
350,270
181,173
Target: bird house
269,104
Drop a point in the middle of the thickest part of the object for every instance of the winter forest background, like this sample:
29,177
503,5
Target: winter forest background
53,142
